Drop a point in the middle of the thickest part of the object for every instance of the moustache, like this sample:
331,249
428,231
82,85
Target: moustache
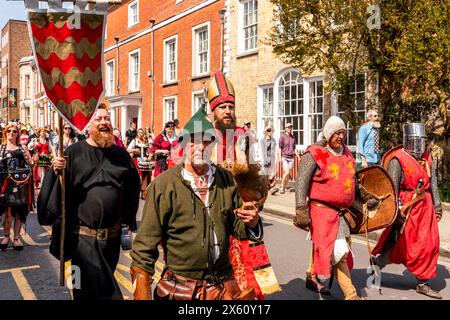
104,129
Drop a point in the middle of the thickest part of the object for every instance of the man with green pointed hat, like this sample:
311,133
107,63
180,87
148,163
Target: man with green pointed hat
192,209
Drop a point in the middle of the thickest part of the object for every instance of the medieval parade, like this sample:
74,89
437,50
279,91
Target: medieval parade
225,150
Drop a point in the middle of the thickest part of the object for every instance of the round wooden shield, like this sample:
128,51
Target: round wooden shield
377,181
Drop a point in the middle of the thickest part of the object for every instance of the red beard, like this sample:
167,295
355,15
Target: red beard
104,139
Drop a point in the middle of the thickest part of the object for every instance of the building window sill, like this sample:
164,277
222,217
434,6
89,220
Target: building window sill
168,84
200,76
134,91
248,54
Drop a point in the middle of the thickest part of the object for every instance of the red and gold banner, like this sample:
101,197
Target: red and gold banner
70,61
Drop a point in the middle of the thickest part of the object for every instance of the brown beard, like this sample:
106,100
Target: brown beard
102,139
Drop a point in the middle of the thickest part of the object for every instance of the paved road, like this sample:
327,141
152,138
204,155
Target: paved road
33,272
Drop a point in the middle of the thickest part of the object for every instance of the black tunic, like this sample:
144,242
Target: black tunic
102,189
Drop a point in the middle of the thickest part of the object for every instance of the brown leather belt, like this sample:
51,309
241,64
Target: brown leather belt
99,234
325,205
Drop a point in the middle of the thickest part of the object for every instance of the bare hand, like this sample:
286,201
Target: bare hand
249,214
438,215
364,163
59,164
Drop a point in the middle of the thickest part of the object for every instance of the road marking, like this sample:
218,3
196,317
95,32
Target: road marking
354,239
21,281
27,239
123,281
48,229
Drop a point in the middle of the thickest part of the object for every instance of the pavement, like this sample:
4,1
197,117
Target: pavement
284,205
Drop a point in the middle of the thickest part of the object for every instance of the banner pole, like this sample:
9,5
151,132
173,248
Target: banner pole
63,204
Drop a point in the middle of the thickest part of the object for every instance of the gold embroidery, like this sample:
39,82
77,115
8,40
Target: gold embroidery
348,185
334,168
351,167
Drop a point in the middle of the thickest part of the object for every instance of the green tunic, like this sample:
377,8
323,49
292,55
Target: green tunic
175,216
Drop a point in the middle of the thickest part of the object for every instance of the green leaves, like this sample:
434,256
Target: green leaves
410,53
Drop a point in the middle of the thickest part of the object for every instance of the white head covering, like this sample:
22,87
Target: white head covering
332,125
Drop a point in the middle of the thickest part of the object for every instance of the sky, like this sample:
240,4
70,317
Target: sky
11,10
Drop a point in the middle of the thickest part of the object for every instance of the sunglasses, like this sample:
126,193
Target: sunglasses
67,128
12,131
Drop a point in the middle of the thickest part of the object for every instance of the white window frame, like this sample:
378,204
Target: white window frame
110,89
194,95
195,53
27,89
241,33
277,116
130,13
130,54
260,100
168,41
165,115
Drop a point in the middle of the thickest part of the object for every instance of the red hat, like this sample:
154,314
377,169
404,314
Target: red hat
220,90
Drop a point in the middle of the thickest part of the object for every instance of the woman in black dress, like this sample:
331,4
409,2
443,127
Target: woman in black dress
16,183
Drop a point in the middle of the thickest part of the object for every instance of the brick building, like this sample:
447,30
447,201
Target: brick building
271,93
35,107
15,44
158,59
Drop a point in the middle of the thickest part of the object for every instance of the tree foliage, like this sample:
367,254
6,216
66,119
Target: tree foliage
409,53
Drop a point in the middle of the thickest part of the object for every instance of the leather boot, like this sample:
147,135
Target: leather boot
142,283
426,290
314,284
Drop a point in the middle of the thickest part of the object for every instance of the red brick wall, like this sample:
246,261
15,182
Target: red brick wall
18,47
161,10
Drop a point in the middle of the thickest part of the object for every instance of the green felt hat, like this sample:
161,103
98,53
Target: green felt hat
199,125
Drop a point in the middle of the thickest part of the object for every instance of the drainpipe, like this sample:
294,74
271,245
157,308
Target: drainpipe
152,103
116,39
222,37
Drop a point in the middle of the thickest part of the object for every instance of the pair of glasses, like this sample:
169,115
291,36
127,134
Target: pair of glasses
12,131
67,128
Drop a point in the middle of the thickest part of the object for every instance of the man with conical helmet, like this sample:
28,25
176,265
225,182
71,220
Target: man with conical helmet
235,150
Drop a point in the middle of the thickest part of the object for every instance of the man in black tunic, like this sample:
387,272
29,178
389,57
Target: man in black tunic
102,193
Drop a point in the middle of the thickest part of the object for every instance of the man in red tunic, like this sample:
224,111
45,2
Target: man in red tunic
326,185
245,256
414,239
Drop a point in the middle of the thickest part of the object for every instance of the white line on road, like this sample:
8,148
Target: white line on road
21,281
354,239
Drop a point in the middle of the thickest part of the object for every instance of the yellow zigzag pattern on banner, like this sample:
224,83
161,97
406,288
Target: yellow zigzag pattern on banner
63,49
73,75
76,106
60,18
